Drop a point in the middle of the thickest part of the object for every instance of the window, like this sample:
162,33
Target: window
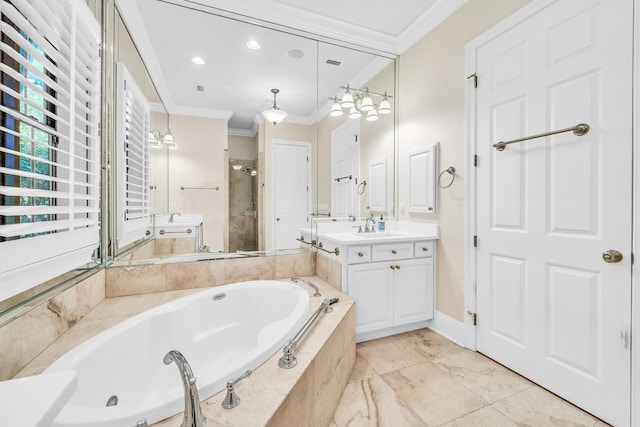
132,133
49,141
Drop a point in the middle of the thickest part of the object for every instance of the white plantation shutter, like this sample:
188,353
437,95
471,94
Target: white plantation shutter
49,140
132,132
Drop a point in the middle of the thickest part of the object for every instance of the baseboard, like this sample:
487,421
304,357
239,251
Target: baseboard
448,327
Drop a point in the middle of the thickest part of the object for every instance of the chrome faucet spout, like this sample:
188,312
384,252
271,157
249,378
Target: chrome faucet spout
372,228
172,215
192,411
295,279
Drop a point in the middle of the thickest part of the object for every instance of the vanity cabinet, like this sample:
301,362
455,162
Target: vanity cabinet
393,285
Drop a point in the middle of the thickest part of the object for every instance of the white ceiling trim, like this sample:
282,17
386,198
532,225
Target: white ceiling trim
308,22
201,112
298,21
242,132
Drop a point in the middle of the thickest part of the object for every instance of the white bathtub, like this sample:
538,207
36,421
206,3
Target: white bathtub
220,338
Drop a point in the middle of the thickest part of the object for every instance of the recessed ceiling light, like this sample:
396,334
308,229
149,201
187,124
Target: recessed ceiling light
197,60
295,53
253,44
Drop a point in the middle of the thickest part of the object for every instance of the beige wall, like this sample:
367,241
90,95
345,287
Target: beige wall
432,108
200,161
243,147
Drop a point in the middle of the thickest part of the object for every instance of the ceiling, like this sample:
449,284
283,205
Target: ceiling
235,81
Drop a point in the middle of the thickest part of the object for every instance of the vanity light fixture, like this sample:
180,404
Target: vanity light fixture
347,98
274,114
372,115
169,141
366,104
158,140
360,101
354,113
197,60
236,167
385,105
155,139
336,108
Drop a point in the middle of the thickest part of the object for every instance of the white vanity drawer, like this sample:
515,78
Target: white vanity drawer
359,254
391,251
423,249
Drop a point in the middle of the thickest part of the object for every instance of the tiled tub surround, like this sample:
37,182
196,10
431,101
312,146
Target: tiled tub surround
142,279
24,337
307,393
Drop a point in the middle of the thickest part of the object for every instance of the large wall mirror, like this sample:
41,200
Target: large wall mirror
232,183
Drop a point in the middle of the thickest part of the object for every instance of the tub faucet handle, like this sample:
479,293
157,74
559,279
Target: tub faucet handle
232,400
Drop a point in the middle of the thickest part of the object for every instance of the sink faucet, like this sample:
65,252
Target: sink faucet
295,279
172,215
192,412
370,228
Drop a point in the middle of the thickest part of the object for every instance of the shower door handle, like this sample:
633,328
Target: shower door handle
612,256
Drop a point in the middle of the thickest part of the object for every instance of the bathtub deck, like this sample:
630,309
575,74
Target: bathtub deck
272,396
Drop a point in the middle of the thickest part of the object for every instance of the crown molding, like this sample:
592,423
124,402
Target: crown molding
200,112
436,14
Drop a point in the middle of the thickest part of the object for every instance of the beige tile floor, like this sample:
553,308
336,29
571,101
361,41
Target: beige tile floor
420,378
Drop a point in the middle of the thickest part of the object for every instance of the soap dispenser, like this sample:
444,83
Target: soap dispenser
381,224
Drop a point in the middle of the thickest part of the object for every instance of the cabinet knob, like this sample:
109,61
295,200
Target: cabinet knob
393,251
425,249
360,254
397,267
393,267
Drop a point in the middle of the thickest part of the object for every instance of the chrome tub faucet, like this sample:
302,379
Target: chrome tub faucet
192,411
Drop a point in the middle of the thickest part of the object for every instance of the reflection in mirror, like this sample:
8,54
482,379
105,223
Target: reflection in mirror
253,183
126,53
354,140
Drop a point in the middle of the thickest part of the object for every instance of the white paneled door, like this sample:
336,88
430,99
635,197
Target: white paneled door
291,191
551,304
345,162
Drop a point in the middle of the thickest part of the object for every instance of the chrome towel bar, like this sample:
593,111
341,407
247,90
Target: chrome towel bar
578,130
188,231
199,188
343,177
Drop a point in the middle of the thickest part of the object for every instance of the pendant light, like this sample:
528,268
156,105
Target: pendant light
274,114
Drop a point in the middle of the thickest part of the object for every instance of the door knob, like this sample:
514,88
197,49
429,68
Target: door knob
612,256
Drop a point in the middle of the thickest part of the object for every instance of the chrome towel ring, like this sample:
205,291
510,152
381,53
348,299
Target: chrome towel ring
361,187
451,171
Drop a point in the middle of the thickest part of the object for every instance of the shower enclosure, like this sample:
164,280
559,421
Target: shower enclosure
243,205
